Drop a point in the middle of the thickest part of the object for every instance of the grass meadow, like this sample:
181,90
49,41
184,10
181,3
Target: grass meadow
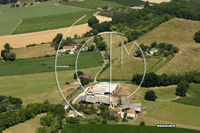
36,88
180,33
35,51
47,64
178,113
52,21
99,128
92,4
193,97
10,17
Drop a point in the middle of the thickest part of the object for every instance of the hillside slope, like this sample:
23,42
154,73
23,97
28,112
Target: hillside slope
179,32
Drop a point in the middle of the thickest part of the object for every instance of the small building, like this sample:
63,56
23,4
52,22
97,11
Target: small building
84,76
75,45
65,48
142,6
114,103
154,50
131,113
147,45
72,113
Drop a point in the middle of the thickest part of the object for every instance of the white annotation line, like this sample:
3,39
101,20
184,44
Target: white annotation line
62,66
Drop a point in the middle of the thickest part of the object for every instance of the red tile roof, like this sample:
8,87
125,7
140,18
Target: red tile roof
130,111
67,47
84,76
117,110
117,115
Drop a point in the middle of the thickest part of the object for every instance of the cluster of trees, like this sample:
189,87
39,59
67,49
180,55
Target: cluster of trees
9,104
5,53
182,88
197,37
164,49
22,114
96,27
101,45
7,1
66,42
84,108
152,79
135,23
53,119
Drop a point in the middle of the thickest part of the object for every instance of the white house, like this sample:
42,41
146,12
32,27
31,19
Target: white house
72,113
75,46
65,48
154,50
131,113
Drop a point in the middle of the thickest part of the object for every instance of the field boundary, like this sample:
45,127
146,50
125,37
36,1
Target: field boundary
16,26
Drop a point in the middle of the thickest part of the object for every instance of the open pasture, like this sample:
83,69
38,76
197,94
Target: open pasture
36,88
180,33
193,97
47,64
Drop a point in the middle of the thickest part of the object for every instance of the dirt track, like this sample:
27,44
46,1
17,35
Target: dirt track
21,40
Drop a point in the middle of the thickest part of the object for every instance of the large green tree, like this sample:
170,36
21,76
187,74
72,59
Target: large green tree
197,37
150,95
92,21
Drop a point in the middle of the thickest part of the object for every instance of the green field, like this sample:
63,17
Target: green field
193,98
128,2
52,22
92,4
10,17
99,128
47,64
36,88
178,113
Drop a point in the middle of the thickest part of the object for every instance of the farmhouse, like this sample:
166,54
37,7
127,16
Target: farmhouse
65,48
120,115
72,113
154,50
131,113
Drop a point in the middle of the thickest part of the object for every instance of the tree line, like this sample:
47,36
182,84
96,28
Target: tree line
153,80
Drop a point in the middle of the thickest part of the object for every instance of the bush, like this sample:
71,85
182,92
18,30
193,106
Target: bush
197,37
150,95
13,5
88,111
24,4
182,88
31,4
104,121
17,5
142,123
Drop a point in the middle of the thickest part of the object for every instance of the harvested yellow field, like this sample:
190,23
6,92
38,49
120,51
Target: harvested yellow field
21,40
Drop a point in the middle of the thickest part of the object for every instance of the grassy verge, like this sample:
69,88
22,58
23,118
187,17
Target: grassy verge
47,64
163,63
99,128
92,4
52,22
194,98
